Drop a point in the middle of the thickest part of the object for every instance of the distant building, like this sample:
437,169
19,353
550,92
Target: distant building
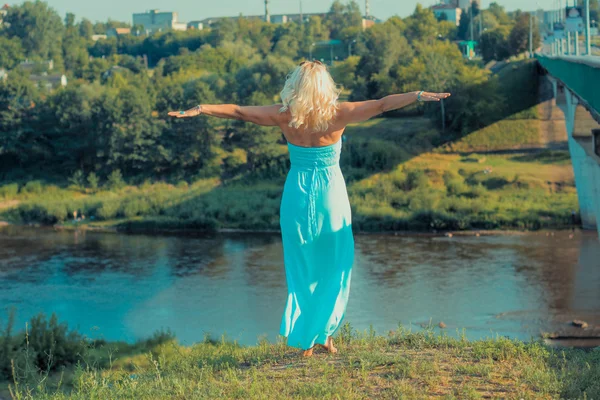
462,4
49,82
195,25
95,38
367,22
30,66
3,12
113,70
115,32
155,21
448,12
3,74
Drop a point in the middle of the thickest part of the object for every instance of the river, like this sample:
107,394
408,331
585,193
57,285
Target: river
125,287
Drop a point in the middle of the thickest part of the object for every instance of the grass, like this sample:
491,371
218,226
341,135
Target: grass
502,135
402,364
429,191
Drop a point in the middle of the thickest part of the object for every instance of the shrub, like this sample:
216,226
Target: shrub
78,179
136,206
34,187
93,181
48,345
108,210
9,191
182,185
115,180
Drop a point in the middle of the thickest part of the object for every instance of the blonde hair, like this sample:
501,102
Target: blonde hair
311,96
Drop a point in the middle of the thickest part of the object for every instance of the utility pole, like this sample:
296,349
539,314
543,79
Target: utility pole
530,35
471,18
588,43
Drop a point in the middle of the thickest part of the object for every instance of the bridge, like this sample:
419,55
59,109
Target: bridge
576,85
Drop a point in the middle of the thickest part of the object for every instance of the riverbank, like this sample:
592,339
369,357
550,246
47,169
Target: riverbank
431,192
402,364
121,227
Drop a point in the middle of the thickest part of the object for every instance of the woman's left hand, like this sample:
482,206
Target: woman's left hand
428,96
192,112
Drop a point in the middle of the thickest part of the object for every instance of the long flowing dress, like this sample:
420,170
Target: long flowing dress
318,245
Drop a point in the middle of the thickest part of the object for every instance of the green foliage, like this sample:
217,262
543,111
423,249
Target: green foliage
77,179
494,44
92,181
115,180
9,191
34,187
11,52
38,26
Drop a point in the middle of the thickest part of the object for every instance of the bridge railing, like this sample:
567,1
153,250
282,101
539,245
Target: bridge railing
580,74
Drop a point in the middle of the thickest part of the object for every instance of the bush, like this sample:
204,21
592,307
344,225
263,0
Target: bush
47,213
134,207
9,191
34,187
115,180
92,180
109,210
78,179
48,345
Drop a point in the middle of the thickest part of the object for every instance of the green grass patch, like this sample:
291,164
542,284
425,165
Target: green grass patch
401,364
502,135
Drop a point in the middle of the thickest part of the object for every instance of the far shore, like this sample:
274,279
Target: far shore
71,226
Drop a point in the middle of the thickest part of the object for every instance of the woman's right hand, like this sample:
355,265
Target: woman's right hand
192,112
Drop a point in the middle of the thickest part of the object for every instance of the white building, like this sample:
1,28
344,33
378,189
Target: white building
49,81
448,12
155,21
3,12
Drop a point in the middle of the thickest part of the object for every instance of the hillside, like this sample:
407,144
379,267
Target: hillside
402,174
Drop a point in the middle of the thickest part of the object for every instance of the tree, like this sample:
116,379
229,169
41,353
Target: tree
498,11
421,25
74,48
86,29
464,26
39,27
383,48
18,133
518,39
342,17
494,44
11,52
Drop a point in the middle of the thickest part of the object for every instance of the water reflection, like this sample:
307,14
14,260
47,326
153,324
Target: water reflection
130,285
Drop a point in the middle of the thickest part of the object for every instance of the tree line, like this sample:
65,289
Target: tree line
112,115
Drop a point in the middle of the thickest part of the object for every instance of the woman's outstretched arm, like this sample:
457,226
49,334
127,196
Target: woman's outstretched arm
359,111
260,115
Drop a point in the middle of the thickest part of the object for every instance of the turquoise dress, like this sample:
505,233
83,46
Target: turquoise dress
318,245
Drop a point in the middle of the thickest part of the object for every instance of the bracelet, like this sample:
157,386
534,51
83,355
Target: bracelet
199,109
419,95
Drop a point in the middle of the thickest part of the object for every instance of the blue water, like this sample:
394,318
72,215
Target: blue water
125,287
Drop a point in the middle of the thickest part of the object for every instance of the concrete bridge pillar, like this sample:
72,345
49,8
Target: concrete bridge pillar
586,166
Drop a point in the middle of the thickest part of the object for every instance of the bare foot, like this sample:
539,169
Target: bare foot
329,345
308,353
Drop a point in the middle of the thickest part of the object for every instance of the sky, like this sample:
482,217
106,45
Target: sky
190,10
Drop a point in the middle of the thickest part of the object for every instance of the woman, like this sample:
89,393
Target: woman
315,217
